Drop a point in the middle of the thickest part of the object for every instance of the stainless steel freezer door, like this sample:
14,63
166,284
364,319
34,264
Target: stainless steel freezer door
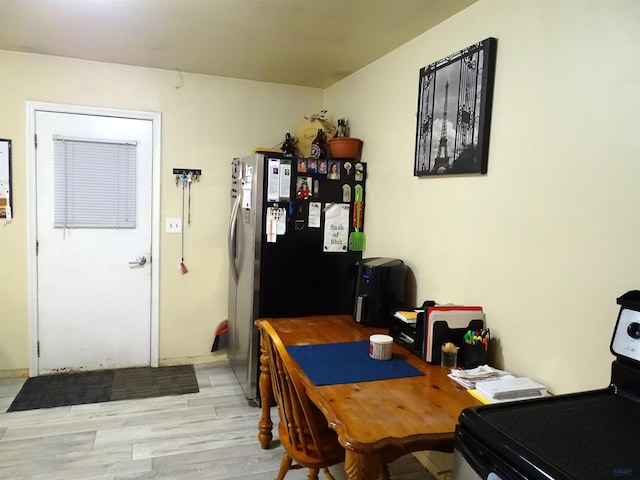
232,315
245,233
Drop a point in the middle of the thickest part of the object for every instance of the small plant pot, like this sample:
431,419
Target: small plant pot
345,147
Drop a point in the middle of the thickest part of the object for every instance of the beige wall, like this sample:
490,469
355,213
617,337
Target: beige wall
548,239
205,123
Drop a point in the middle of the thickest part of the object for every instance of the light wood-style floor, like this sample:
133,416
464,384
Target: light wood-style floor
208,435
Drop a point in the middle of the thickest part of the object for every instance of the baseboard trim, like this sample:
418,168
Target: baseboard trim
17,373
213,357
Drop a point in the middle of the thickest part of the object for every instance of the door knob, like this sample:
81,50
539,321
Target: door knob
141,260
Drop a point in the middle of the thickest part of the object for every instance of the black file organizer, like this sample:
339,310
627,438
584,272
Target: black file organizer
443,334
411,336
404,334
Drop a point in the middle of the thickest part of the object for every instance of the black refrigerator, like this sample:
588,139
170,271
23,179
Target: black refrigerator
289,254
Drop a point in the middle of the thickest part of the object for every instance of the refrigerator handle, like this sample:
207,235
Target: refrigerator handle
233,257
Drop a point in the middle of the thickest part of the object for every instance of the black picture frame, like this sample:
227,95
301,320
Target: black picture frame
454,112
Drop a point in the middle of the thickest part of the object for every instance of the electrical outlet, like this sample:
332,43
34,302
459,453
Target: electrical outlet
173,225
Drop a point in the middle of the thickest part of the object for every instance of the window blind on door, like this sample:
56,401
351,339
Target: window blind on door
94,183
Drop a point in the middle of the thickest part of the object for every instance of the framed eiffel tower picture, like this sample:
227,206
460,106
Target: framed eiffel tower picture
454,112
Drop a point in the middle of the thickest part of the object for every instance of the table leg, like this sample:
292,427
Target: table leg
361,467
265,426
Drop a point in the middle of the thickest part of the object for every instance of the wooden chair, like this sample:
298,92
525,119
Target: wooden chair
303,429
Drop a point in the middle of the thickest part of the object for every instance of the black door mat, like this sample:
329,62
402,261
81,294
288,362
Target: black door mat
103,386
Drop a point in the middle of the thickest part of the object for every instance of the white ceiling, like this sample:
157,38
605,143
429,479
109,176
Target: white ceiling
298,42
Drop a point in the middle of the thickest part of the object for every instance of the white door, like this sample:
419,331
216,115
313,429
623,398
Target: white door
93,281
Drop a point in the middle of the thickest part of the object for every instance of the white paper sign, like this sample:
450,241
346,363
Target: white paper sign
281,226
276,223
285,180
273,180
246,187
314,215
336,227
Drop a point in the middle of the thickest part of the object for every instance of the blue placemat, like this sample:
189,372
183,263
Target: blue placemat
347,362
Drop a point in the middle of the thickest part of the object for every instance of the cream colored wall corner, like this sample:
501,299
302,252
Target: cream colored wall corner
206,122
547,240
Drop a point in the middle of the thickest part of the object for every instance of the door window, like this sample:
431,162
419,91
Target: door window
94,183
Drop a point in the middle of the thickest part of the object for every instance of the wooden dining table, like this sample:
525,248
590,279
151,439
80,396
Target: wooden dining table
376,421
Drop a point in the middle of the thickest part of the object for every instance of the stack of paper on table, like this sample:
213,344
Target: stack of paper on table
468,378
510,388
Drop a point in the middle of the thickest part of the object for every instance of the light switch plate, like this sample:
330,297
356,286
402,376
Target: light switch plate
173,225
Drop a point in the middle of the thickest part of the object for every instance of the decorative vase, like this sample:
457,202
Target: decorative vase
319,145
346,147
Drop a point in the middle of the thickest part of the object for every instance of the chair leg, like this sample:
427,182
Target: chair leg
313,474
285,465
384,472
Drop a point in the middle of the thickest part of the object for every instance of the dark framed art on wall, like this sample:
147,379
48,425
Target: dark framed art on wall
454,112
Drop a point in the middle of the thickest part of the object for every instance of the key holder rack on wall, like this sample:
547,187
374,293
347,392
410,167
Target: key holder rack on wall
185,172
185,177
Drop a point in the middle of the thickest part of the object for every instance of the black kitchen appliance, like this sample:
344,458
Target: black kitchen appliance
381,289
587,435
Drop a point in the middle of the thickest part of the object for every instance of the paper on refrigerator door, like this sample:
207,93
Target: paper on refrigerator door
285,180
314,215
247,183
276,223
281,224
273,180
336,227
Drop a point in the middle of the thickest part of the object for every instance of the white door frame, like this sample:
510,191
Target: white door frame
32,271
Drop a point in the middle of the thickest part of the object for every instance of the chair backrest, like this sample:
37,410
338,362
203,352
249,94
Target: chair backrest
306,427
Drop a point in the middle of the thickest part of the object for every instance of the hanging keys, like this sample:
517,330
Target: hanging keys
191,175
